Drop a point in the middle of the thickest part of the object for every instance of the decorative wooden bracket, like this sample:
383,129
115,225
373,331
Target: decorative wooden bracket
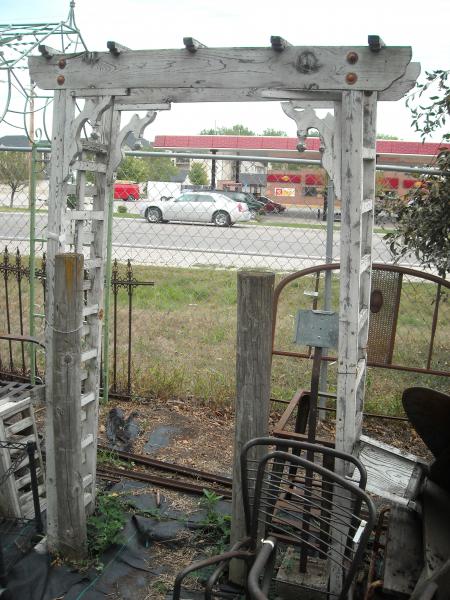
136,125
307,119
92,111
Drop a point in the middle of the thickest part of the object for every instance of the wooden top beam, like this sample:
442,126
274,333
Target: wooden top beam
297,68
165,95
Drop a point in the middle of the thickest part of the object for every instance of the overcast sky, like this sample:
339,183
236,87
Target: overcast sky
149,24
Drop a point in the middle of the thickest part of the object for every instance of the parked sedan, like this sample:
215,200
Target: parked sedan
255,206
271,206
202,207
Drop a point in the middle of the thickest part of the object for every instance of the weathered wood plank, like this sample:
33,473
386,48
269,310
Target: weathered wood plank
63,114
387,472
366,229
297,67
404,561
141,106
167,95
9,501
110,124
253,358
351,199
188,95
401,86
66,520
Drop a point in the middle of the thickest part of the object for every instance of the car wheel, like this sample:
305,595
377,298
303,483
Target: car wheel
222,219
153,215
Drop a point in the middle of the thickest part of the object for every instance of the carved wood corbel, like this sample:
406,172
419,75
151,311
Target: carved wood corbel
137,126
306,119
92,111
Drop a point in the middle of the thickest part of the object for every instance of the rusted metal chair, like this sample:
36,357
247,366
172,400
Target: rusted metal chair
292,501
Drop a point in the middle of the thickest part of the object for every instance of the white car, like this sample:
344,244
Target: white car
202,207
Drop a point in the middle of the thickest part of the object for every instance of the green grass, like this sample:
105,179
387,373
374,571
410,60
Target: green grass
184,339
257,223
15,209
127,215
312,226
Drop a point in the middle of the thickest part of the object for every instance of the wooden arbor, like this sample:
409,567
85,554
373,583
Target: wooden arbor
349,79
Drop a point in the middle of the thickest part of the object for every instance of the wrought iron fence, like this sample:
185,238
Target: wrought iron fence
123,286
15,316
15,358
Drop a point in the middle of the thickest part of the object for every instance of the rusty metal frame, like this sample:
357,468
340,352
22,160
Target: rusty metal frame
376,266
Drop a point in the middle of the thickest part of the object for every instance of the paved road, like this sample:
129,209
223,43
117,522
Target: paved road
179,244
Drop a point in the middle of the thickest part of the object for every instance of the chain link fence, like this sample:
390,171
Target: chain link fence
20,221
186,222
152,225
174,223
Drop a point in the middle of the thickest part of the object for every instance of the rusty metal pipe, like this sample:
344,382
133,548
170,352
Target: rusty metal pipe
165,466
174,484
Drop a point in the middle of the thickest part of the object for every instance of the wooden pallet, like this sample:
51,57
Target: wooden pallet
18,426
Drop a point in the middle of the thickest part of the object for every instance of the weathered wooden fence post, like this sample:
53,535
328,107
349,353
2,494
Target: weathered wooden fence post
253,361
66,518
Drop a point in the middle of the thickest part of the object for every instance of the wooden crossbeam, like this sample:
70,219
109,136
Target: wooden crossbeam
278,43
116,48
192,44
47,51
297,67
157,98
375,43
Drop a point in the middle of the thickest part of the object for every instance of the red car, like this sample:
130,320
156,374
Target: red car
126,190
271,206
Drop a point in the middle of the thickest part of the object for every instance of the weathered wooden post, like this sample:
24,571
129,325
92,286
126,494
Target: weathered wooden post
66,518
253,361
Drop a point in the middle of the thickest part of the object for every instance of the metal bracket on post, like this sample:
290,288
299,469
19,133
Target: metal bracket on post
319,329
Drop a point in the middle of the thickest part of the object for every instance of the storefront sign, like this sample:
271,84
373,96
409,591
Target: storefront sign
284,191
